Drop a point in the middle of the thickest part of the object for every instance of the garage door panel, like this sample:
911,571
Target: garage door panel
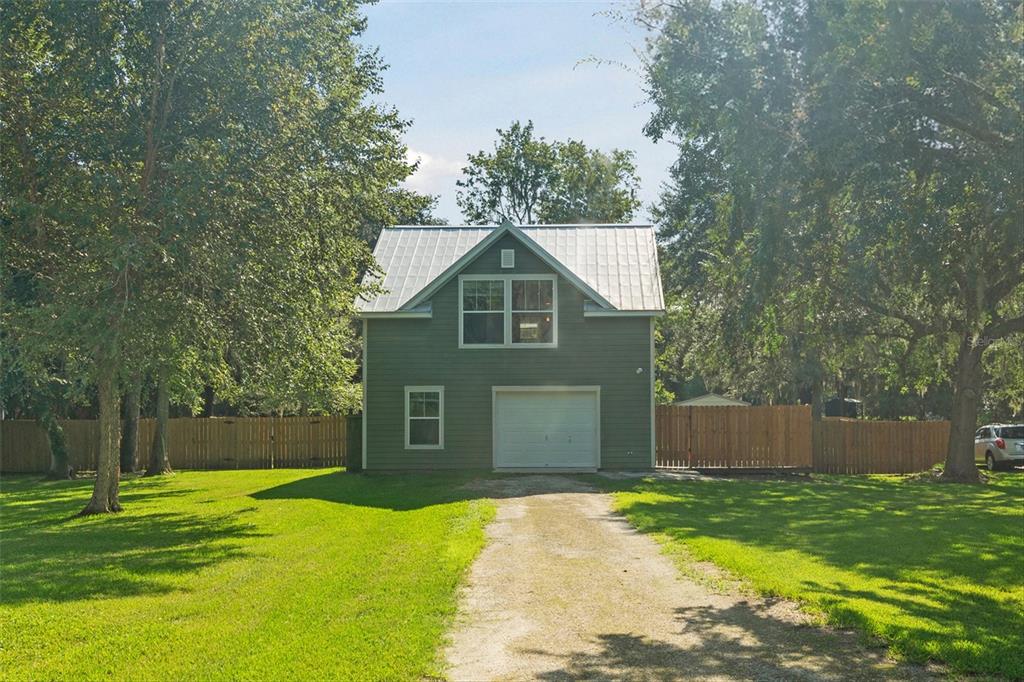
537,429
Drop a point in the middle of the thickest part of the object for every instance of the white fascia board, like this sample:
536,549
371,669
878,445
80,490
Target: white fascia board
408,315
623,313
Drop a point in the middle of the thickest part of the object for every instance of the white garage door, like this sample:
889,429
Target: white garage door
546,428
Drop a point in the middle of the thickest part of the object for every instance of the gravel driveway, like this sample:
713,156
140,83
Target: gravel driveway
567,590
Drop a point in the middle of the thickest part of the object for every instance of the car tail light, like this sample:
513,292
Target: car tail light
1000,443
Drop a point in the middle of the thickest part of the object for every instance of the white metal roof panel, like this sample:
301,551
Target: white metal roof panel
619,262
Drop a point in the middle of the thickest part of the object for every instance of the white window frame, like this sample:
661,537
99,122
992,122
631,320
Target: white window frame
507,312
440,416
507,291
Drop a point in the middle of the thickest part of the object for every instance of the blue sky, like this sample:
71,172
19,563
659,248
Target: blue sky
459,70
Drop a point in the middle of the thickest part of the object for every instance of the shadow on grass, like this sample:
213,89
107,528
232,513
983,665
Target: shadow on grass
948,556
48,555
410,491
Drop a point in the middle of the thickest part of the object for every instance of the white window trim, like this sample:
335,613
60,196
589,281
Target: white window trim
440,412
507,312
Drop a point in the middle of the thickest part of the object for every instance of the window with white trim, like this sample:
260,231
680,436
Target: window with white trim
533,310
424,417
483,312
498,311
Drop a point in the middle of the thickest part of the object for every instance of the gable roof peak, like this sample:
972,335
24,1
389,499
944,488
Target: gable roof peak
616,268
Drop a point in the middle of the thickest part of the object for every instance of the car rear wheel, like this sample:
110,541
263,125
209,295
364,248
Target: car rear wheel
990,461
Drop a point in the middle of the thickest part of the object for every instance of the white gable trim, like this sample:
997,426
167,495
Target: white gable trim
482,245
453,269
559,267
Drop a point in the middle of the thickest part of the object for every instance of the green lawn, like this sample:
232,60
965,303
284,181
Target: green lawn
234,575
937,571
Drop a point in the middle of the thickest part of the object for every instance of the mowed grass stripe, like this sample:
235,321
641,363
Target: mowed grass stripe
235,575
934,570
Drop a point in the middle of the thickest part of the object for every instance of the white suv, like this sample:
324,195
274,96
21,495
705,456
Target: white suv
1000,445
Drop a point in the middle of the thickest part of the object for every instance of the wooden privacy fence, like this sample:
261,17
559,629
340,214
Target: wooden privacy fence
857,446
785,436
206,443
700,437
709,437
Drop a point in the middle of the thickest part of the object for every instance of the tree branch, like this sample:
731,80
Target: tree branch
1001,328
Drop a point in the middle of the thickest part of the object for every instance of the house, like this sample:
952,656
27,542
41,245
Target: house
712,400
511,348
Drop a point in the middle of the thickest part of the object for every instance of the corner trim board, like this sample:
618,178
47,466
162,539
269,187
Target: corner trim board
366,345
654,443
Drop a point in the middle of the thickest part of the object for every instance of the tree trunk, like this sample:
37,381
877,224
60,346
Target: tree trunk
60,469
130,434
108,470
960,466
817,400
158,461
208,399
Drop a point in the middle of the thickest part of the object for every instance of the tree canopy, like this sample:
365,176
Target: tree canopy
848,196
187,187
527,179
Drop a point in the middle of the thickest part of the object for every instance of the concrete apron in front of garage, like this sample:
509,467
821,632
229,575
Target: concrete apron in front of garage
566,589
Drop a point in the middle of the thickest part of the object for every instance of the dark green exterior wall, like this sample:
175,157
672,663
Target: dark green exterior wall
591,351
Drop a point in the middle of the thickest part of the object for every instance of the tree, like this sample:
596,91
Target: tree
590,186
860,161
527,179
185,188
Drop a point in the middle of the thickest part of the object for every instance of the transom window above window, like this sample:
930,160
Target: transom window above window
424,417
511,310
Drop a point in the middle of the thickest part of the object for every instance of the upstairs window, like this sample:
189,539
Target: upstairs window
533,310
483,312
498,311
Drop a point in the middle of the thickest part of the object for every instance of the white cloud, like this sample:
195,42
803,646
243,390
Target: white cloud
435,174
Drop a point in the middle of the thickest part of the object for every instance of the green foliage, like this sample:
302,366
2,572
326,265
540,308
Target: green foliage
249,574
529,180
188,188
881,554
848,196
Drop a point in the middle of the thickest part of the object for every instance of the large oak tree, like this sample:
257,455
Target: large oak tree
184,185
850,184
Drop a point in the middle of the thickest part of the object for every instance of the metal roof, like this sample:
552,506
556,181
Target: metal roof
619,262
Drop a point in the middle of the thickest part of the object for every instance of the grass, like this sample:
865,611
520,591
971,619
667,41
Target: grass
936,571
234,575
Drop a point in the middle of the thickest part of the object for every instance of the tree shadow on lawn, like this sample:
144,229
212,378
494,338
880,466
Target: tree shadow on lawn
944,554
48,555
411,491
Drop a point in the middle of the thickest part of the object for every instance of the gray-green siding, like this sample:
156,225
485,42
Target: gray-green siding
593,351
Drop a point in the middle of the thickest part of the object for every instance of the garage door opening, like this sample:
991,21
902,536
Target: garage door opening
547,427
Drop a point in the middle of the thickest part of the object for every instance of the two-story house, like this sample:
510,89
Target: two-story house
511,348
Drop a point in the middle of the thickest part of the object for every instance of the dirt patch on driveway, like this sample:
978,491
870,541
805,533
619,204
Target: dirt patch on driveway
567,590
